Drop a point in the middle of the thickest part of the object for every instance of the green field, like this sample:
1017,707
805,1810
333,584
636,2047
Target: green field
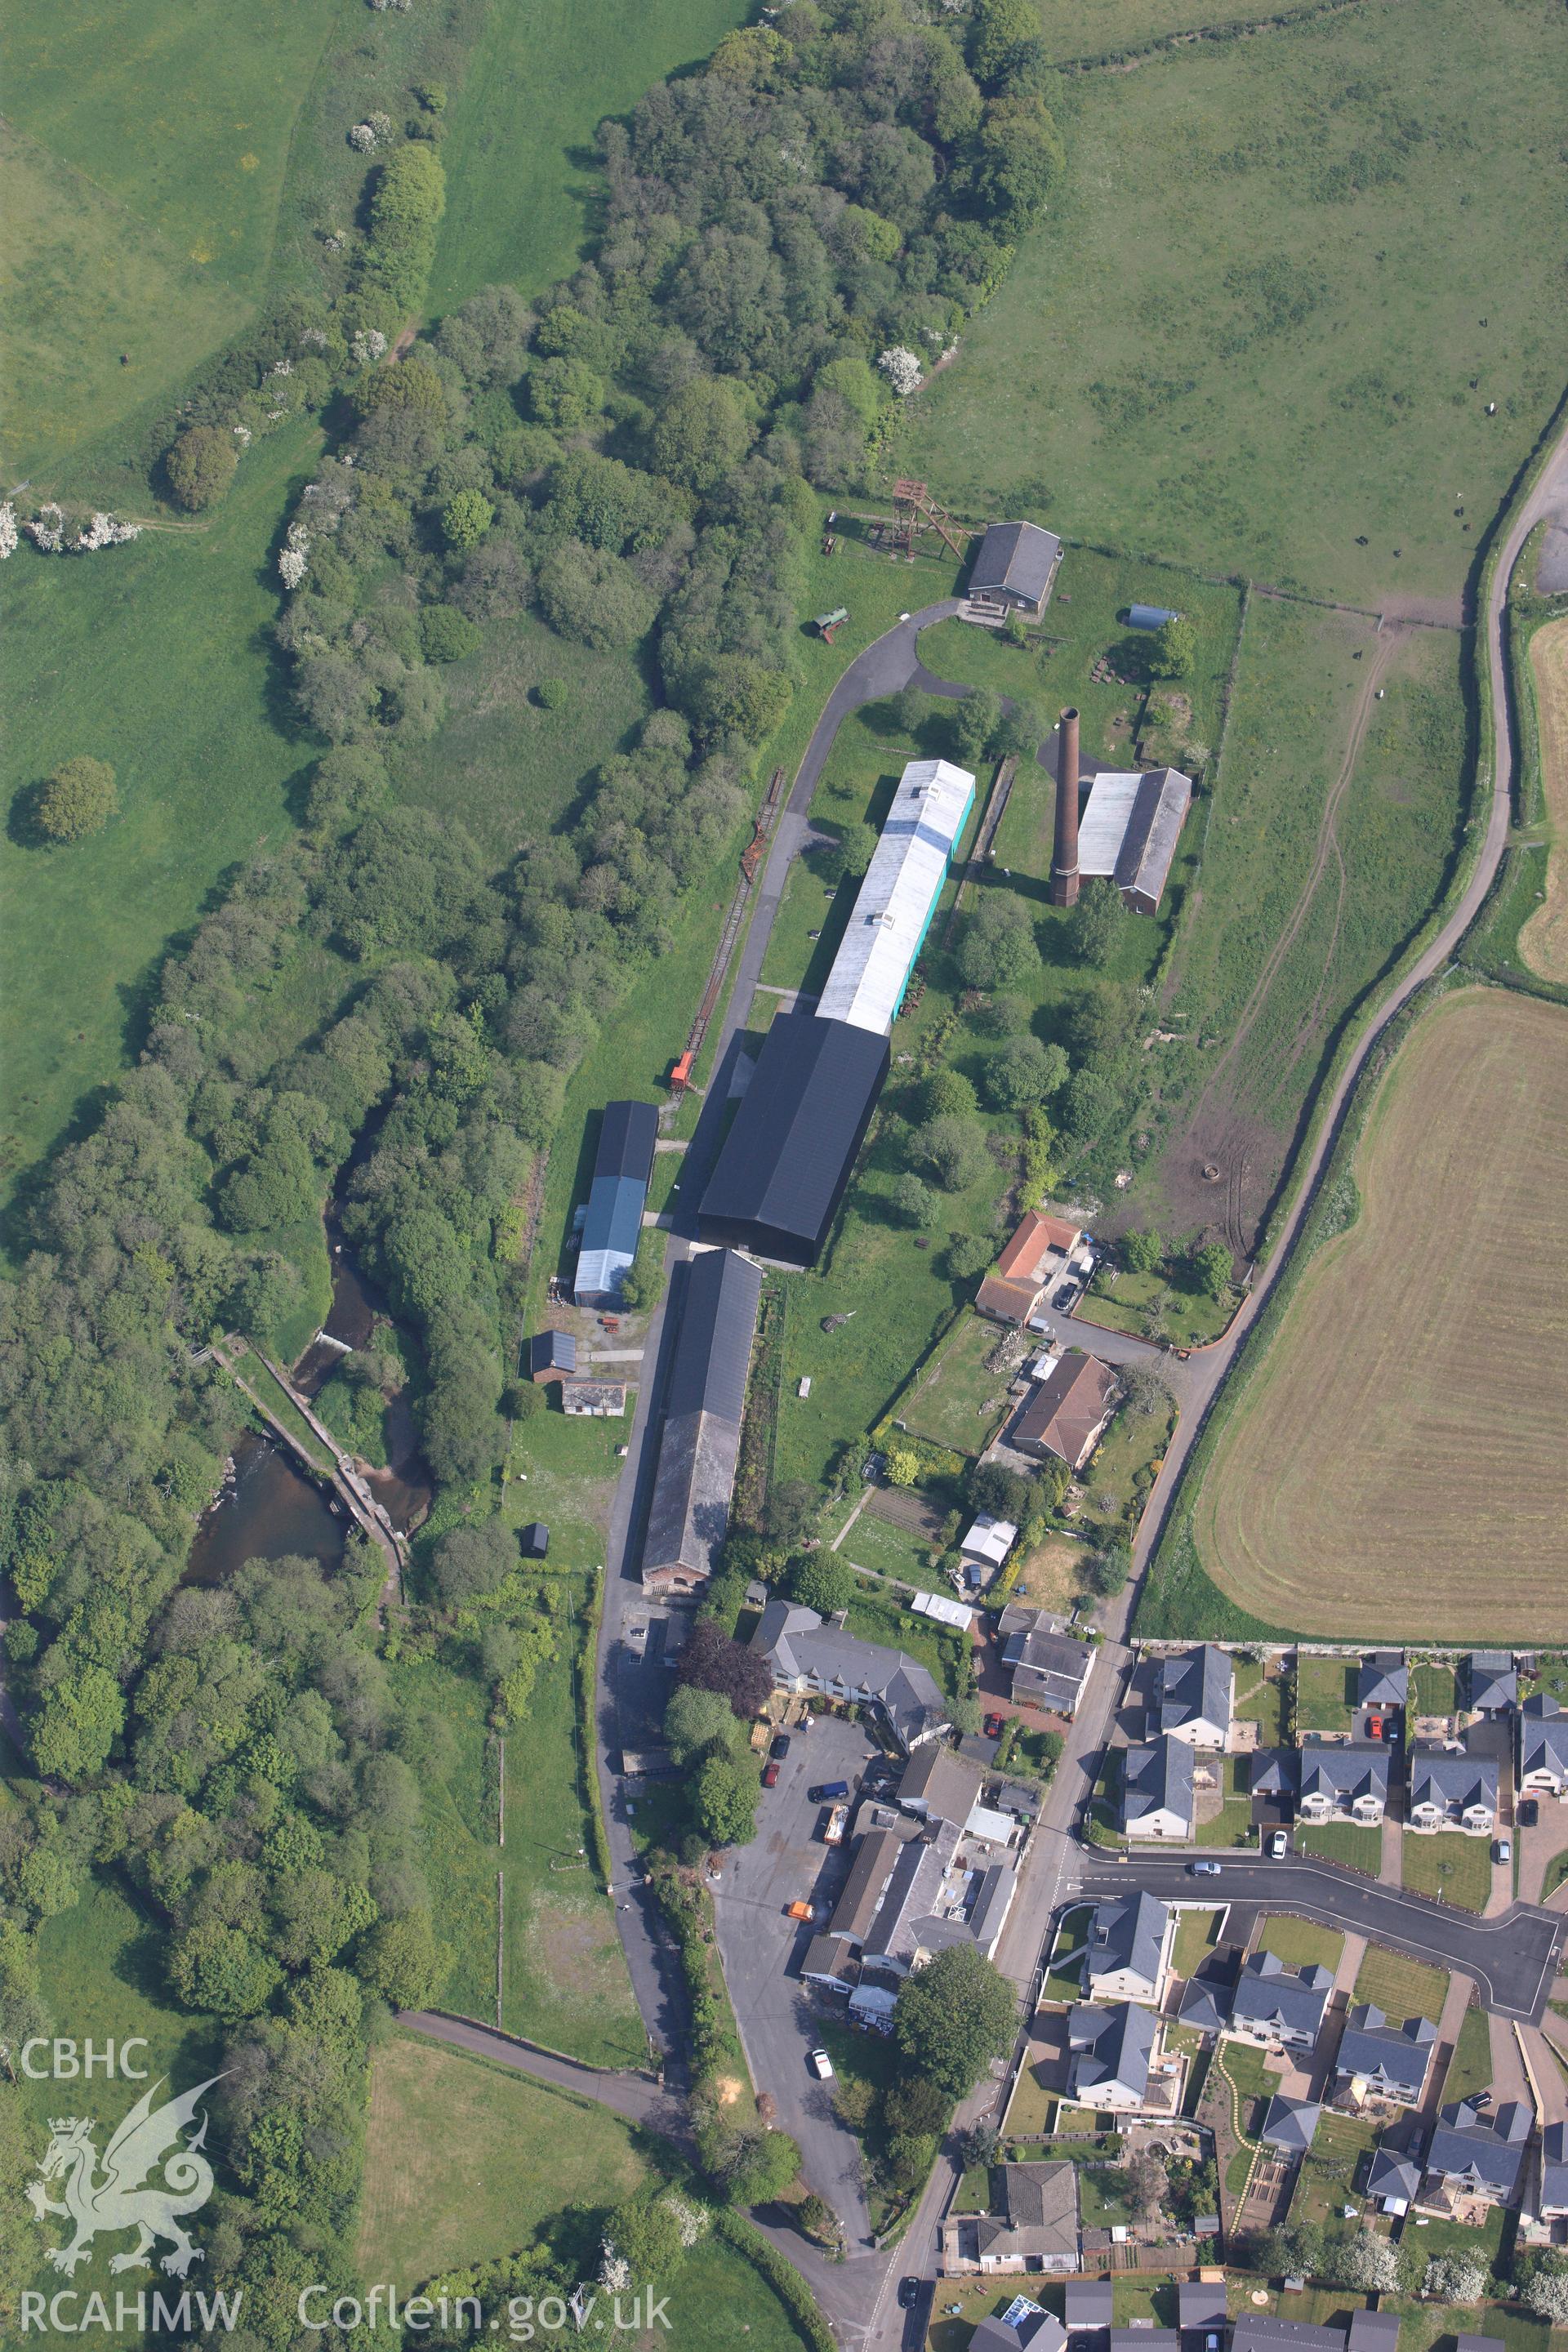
1274,358
956,1402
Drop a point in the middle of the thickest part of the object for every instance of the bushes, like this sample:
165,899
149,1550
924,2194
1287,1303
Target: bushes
201,465
588,593
405,208
781,2276
445,635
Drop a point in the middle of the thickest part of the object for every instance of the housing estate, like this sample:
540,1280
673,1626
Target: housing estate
1452,1793
1276,2006
1110,2054
1129,1949
1366,2331
1192,1696
1384,1680
1551,2175
1393,2181
1491,1684
1035,2229
1290,2125
1542,1746
1157,1798
1378,2060
808,1655
1474,2156
612,1223
1044,1252
1066,1415
1345,1784
1024,2326
1014,569
1046,1667
713,1302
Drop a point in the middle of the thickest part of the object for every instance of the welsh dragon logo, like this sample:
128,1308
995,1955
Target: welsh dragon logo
114,2198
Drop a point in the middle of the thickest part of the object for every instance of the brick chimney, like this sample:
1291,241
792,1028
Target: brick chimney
1064,857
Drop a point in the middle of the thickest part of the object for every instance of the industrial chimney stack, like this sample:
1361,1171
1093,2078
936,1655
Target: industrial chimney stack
1064,857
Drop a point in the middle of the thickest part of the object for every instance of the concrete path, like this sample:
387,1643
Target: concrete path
1391,1867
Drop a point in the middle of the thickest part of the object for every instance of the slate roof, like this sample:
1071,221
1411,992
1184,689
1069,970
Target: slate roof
1269,1994
1344,1773
1383,1679
1065,1411
1276,1771
1043,2199
1154,827
939,1784
1206,2003
1486,2154
800,1648
552,1352
1393,2058
1055,1666
715,1297
1290,2124
1373,2331
1157,1779
1453,1783
1018,556
1111,2049
1036,2331
1393,2174
1194,1686
1543,1737
1554,2169
1089,2303
1129,1936
1200,2303
1491,1680
783,1166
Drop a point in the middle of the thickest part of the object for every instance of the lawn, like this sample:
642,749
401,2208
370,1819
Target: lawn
1399,1433
1433,1689
1196,1932
1275,362
1065,1982
1054,1574
1330,2169
1344,1842
147,655
878,1616
1260,1699
1456,1868
1302,1943
1251,2079
1325,1693
1032,2106
1122,1469
1232,1826
1470,2067
956,1401
1162,1305
890,1550
1401,1988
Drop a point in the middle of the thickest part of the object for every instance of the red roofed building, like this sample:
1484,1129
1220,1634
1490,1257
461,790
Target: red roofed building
1066,1414
1039,1254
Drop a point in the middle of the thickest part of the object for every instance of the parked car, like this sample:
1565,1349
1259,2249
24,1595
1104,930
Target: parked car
821,2064
826,1791
1203,1870
799,1910
780,1748
1279,1846
1374,1727
909,2293
994,1726
770,1777
1503,1850
1527,1813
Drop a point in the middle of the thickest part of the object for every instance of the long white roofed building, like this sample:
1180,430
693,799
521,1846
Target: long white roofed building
899,896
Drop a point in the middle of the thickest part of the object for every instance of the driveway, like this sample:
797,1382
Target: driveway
779,2017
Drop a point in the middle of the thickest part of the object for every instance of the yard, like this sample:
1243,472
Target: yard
877,1615
1066,1983
1329,2171
1450,1865
957,1401
1196,1934
1325,1693
1401,1988
1164,1304
1055,1575
1260,1698
1032,2107
1433,1689
890,1549
1232,1826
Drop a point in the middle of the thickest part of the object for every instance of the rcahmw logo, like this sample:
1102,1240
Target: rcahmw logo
150,2179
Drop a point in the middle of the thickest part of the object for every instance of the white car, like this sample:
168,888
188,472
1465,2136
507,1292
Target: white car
820,2063
1279,1846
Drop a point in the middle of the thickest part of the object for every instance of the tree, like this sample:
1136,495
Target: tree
80,1721
79,798
563,393
588,593
645,2237
465,518
964,1714
975,721
696,1719
914,1202
755,2165
445,635
1001,1493
725,1801
823,1581
1099,1019
997,949
1145,1390
401,1960
791,1510
849,852
1142,1253
222,1971
712,1661
1025,1072
1545,2292
1213,1266
948,1093
814,2218
1146,2186
968,1254
1021,733
201,465
1175,649
952,2016
471,1562
1456,2278
701,434
1371,2264
903,1465
1109,1569
954,1151
346,783
1094,925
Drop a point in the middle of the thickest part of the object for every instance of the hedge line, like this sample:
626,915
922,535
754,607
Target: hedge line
785,2280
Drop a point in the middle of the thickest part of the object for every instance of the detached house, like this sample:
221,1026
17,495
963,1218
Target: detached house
1067,1412
1384,1680
1552,2181
1129,1949
1110,2053
1045,1667
1393,2181
1157,1798
1192,1696
1452,1793
1542,1746
1274,2004
806,1655
1490,1681
1036,2229
1377,2060
1472,2154
1343,1784
1290,2125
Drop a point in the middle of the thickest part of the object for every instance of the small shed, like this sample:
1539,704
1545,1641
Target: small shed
1150,616
552,1355
535,1540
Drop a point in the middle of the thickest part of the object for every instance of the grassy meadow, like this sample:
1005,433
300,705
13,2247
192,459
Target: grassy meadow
1398,1435
1275,338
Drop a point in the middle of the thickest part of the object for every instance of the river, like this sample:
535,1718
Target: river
268,1508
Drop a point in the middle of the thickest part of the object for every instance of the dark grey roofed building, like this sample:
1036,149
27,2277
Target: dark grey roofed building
1151,617
1343,1783
1457,1792
1491,1681
535,1540
1373,2331
1262,2332
623,1166
1391,2060
1015,565
1393,2180
1193,1699
1206,2003
714,1300
1552,2201
1126,1949
1480,2156
1276,1771
1290,2124
1145,2339
808,1655
1017,1798
785,1162
1110,2053
1383,1679
1200,2303
1047,1667
1157,1798
1088,2305
1033,2331
1274,2003
1543,1744
551,1355
1479,2344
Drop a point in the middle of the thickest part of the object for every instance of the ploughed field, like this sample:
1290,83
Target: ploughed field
1394,1467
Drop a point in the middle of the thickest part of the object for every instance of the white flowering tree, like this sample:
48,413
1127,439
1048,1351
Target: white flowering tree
104,532
903,369
1456,2278
691,2221
615,2270
8,536
361,138
368,346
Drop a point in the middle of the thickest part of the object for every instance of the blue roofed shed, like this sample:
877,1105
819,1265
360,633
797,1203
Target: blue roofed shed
1150,616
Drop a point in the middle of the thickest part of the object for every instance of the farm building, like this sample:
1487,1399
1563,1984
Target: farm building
594,1399
552,1355
895,903
1015,569
1042,1253
1130,828
1067,1412
788,1157
713,1304
987,1544
613,1225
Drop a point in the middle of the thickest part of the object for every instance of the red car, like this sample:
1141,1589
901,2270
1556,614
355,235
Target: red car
993,1724
770,1777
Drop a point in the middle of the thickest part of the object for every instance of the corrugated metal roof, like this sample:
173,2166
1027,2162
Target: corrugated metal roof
610,1235
1150,616
787,1158
1105,819
898,897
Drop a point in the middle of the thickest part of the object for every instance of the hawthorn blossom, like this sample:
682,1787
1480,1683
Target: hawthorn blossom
615,2270
368,345
316,337
8,542
282,367
381,124
291,567
48,537
334,240
902,370
243,434
691,2221
104,532
363,138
